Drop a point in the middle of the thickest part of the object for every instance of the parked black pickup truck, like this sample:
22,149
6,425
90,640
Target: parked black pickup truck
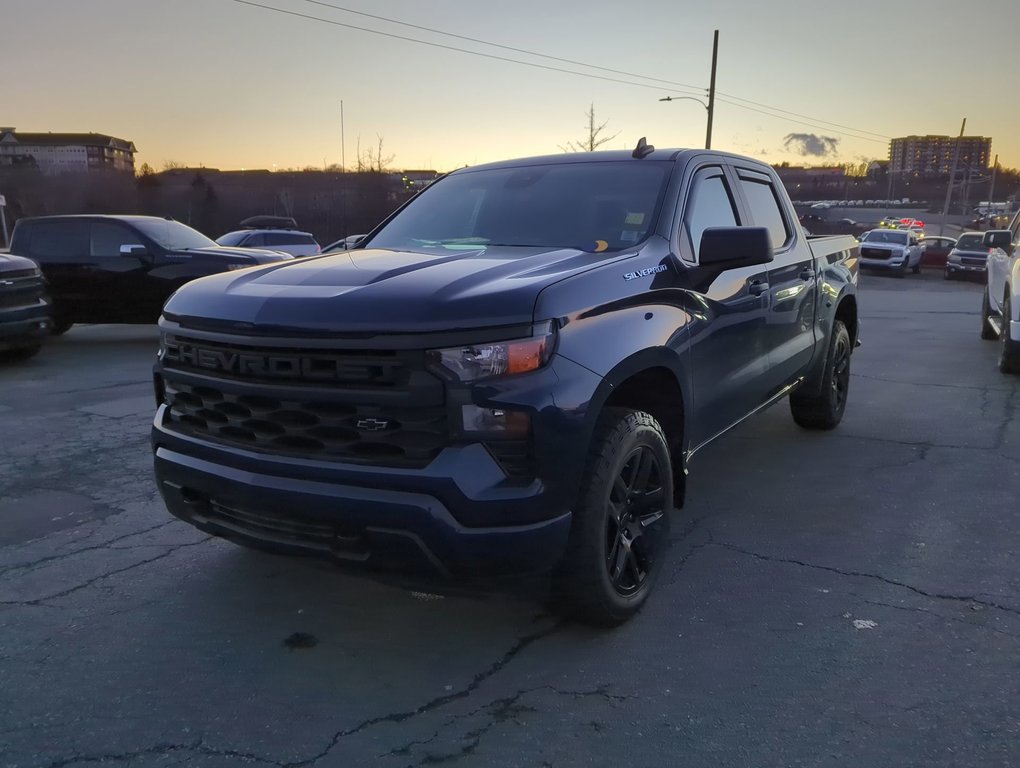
24,308
511,373
121,269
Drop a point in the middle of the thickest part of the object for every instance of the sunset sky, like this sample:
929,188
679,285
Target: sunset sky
225,84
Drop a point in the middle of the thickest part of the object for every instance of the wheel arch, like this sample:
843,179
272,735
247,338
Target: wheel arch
652,381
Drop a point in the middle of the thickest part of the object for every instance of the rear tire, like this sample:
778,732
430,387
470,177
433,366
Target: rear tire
620,530
987,332
825,410
1009,350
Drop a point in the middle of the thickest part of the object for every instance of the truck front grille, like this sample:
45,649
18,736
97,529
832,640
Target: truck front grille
317,428
875,253
20,290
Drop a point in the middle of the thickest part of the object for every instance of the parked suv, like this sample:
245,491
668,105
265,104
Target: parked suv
284,240
24,308
968,257
121,269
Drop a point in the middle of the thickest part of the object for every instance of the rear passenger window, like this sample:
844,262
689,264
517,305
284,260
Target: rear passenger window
61,240
287,238
764,208
709,205
254,241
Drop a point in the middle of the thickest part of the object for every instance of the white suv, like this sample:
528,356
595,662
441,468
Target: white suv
286,240
1000,310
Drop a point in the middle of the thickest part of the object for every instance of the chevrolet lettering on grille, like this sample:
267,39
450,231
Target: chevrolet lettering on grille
275,366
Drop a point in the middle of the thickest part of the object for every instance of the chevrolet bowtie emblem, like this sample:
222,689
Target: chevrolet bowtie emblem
373,425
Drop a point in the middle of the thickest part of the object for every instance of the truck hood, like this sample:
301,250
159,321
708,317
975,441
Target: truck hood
10,263
384,291
258,256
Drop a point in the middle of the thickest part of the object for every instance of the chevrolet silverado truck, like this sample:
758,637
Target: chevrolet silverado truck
24,308
121,269
510,374
1000,308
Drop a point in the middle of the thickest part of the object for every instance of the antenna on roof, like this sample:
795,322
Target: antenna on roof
643,149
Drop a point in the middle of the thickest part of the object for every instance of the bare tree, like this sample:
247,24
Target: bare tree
595,138
373,161
173,165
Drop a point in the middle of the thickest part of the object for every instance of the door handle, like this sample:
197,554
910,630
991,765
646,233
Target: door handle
807,274
757,288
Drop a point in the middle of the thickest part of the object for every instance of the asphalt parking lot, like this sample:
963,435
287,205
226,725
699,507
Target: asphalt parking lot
831,598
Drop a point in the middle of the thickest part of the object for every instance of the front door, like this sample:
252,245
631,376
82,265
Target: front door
729,348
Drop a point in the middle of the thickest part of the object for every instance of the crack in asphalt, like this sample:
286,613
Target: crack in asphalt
499,711
926,383
1007,421
162,749
912,609
84,585
440,701
861,574
199,747
32,565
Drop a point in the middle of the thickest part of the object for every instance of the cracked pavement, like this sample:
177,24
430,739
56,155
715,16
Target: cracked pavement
830,597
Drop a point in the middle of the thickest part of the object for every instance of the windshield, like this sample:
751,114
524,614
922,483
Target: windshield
591,206
232,238
885,236
969,242
173,235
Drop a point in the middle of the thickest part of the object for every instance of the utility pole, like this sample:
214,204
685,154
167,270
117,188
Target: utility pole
343,154
711,90
991,190
952,177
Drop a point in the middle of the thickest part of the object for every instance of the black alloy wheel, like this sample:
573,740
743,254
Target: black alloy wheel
825,409
1009,350
620,529
636,507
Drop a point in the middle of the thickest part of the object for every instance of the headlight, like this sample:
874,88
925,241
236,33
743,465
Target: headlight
500,358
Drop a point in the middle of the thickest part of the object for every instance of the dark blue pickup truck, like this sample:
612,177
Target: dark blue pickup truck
510,374
24,308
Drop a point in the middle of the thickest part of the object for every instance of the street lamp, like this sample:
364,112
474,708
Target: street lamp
708,141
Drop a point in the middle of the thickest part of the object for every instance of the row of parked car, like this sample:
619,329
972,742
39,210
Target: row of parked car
62,270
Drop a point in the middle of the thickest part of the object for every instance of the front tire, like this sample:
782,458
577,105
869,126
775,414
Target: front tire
825,410
60,327
987,332
620,529
1009,350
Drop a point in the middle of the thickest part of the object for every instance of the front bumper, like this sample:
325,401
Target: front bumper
959,268
25,326
378,527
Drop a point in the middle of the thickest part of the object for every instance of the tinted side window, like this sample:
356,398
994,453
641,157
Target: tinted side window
765,211
254,241
710,204
108,238
61,240
286,238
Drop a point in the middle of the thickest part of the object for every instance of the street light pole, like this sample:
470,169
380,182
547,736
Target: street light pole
952,177
711,90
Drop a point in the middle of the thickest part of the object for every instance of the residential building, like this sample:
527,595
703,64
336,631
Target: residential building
932,156
57,153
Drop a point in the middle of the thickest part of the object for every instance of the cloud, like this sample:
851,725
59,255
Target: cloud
811,145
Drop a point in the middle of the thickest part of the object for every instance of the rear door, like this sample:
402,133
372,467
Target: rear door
729,346
791,278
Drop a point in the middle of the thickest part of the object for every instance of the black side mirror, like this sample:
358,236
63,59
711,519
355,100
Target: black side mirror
733,247
352,240
998,238
135,251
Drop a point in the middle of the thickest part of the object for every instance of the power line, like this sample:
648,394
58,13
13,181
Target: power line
803,122
447,47
504,47
685,88
798,114
591,66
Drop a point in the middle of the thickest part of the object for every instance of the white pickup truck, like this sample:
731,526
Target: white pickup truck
1000,310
